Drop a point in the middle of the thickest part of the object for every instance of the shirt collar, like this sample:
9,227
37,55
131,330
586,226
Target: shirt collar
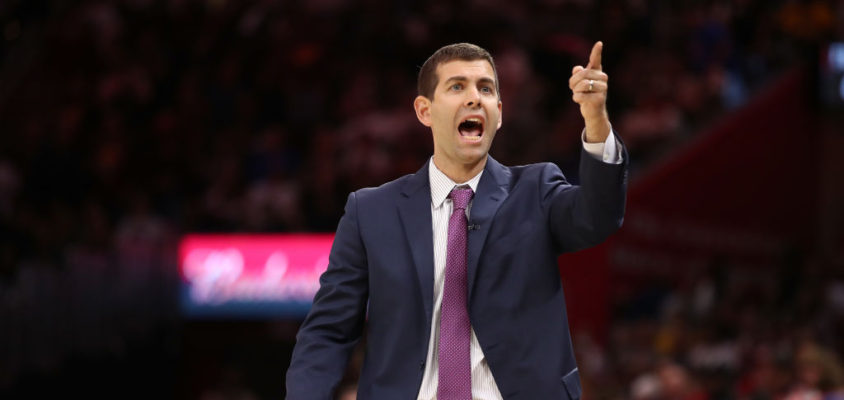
441,185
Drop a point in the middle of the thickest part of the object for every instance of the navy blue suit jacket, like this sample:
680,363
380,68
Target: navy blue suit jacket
382,266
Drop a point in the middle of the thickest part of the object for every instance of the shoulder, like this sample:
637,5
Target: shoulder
537,173
534,169
385,192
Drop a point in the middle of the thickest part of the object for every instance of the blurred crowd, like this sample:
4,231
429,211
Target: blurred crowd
124,124
726,332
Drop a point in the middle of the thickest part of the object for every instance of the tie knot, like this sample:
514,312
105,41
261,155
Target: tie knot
460,197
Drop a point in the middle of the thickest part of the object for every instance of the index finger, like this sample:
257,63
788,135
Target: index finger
595,56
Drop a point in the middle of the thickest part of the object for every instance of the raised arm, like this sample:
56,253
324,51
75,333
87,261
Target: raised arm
583,216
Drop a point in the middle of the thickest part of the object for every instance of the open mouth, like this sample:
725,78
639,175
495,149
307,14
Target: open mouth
471,128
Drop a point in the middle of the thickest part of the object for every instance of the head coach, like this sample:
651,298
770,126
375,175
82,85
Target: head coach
452,271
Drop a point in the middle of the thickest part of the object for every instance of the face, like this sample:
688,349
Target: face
464,114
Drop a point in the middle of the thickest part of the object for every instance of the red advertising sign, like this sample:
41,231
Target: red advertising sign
251,275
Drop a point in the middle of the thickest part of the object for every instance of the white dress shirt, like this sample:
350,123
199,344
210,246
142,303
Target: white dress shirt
483,383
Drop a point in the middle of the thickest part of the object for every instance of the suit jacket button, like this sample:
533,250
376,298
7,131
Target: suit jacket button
422,366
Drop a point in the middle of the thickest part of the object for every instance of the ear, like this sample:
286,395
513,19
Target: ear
500,115
423,110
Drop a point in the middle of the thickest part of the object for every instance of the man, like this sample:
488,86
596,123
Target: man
454,268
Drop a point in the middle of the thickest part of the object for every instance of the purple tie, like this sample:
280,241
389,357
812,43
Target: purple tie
455,369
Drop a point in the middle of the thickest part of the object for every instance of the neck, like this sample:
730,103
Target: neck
460,173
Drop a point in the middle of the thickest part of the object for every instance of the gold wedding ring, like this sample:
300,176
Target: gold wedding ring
591,85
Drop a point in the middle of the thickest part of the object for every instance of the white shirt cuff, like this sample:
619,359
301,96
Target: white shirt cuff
608,152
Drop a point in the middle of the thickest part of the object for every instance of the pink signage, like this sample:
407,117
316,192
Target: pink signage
248,271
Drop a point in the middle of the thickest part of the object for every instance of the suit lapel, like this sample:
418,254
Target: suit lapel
415,213
493,189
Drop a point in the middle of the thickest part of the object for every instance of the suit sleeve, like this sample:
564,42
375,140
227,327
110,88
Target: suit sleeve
585,215
334,324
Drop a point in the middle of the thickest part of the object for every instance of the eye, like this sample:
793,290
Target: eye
486,89
457,86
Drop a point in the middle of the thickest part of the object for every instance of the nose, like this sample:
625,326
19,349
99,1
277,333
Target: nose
473,98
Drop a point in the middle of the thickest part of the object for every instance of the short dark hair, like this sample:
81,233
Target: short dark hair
427,81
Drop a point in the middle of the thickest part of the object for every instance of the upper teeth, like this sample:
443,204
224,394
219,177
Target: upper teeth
476,120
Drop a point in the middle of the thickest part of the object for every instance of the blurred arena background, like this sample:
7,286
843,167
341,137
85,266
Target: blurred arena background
127,125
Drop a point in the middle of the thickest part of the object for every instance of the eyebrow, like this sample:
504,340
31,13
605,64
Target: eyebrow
461,78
